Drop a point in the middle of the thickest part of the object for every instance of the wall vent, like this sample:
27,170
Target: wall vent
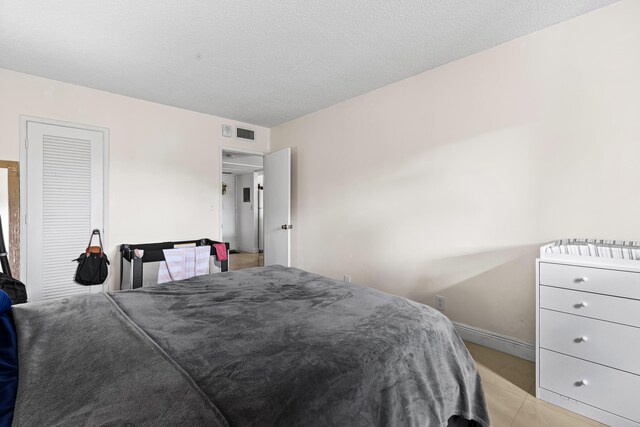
245,134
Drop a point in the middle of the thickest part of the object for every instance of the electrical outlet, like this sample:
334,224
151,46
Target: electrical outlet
347,278
440,302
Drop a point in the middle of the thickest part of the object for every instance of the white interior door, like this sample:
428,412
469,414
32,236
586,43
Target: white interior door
277,208
65,195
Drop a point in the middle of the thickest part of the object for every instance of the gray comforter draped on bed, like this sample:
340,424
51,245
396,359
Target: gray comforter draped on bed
266,346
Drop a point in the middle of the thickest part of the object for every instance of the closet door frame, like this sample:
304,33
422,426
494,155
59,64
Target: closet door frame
24,122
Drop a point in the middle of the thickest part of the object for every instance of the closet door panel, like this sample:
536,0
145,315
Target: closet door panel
65,202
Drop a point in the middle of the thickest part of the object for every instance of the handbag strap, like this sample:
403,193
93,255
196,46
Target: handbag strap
93,233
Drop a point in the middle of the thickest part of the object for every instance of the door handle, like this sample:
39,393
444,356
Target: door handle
286,226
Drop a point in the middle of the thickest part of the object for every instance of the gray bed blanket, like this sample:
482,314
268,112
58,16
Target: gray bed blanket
259,347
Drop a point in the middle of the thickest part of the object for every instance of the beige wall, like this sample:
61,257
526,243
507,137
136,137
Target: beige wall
448,182
170,153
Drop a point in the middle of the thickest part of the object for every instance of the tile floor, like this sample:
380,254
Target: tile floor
509,387
243,260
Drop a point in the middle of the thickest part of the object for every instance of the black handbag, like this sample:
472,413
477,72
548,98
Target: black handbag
14,288
92,264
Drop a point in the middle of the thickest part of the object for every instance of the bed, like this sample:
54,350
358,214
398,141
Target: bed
270,346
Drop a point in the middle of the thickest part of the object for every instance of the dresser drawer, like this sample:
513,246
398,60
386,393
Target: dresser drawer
588,279
604,307
602,342
606,388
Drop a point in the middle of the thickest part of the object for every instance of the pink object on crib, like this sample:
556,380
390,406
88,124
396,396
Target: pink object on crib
221,251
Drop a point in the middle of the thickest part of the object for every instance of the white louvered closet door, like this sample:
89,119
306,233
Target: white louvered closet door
65,202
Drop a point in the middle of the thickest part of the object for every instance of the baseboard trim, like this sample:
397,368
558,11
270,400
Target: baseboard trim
248,250
496,341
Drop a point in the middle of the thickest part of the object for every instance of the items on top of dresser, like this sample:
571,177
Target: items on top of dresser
615,249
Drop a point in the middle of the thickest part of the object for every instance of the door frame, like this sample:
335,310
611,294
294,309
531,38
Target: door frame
24,165
222,149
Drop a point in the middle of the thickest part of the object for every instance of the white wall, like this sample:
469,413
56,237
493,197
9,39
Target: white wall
164,176
448,182
229,212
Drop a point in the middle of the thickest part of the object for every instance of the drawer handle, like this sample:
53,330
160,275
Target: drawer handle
582,383
581,305
582,279
583,338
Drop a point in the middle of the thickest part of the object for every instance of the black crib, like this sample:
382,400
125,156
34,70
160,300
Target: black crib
153,253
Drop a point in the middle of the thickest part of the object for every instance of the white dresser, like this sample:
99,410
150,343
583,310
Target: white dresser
588,330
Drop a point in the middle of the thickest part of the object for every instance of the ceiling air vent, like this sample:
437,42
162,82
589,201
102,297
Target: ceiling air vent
245,134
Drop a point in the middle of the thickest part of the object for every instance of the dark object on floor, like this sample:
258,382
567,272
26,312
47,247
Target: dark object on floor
4,259
93,264
263,346
14,288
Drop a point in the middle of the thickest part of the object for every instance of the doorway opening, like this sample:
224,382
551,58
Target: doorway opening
242,208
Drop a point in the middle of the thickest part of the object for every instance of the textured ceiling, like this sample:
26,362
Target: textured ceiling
262,62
